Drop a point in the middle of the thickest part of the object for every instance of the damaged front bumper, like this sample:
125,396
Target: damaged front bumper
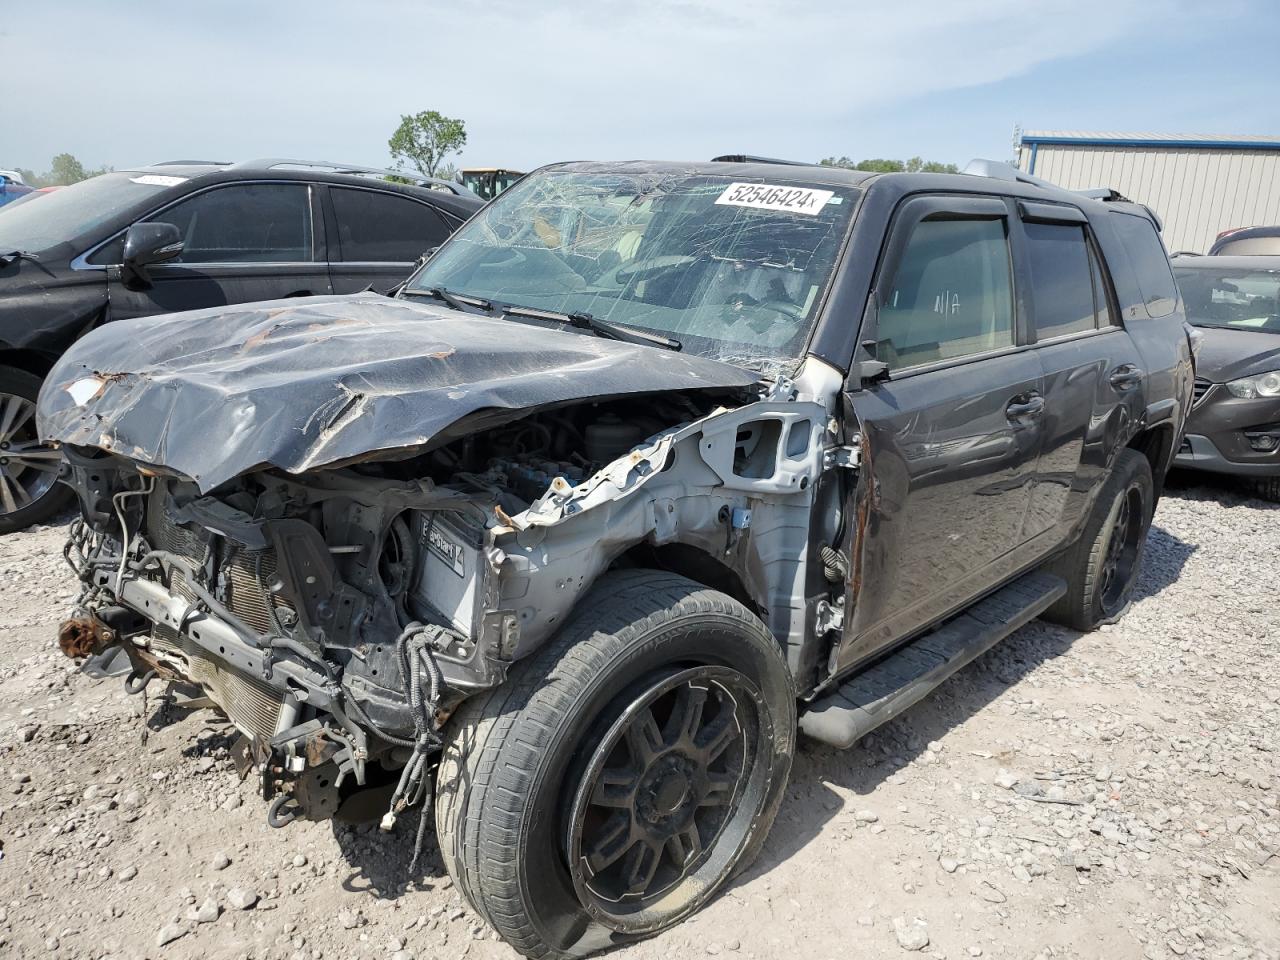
301,764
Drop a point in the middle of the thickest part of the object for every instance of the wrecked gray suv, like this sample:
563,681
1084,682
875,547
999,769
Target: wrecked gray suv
647,461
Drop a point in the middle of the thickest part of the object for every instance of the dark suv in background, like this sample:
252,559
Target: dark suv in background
184,236
648,468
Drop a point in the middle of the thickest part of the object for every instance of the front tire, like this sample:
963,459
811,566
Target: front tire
623,773
1103,566
29,491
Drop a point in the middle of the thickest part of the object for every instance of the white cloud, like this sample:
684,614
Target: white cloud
131,83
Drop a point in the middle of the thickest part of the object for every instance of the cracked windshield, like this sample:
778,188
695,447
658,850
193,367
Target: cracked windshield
733,271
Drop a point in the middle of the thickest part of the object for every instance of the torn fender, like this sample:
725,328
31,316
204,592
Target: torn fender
299,385
685,485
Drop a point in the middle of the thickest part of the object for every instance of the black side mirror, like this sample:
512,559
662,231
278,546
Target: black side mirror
148,243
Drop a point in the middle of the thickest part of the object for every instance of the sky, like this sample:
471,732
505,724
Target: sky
120,83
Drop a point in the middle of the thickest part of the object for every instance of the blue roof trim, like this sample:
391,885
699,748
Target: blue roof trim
1136,142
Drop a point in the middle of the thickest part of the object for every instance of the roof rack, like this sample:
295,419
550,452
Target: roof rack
1007,171
749,158
997,170
191,163
272,163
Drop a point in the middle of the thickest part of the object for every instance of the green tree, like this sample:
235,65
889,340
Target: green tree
423,140
914,165
65,169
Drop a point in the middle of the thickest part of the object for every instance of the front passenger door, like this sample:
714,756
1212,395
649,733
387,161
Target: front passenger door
242,242
950,440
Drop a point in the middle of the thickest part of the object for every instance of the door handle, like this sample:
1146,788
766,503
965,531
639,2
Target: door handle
1126,377
1025,407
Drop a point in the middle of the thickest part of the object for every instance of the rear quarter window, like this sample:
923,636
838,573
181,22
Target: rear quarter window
1149,261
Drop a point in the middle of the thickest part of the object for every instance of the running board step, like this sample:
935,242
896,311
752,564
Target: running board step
879,694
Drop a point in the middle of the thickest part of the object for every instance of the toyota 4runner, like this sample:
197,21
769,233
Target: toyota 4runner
648,468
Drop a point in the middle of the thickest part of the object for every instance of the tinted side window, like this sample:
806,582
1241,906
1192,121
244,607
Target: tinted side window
1150,263
1061,280
381,227
950,296
244,223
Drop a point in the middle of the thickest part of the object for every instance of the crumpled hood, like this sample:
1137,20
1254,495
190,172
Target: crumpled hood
1229,354
212,394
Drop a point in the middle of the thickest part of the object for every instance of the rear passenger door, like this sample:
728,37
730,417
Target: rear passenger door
1092,371
377,237
242,242
951,439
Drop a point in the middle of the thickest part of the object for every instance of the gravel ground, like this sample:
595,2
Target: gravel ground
1109,795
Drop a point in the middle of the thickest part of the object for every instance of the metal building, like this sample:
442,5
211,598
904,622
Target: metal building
1198,185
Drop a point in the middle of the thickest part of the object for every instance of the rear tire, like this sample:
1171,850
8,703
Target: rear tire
623,772
29,491
1102,567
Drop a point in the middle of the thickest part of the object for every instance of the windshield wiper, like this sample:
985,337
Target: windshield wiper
459,301
602,328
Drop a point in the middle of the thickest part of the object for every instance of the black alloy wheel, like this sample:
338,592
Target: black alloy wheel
1120,563
625,770
1104,564
671,775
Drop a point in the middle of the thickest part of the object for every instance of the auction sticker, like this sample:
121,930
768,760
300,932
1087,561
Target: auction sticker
766,196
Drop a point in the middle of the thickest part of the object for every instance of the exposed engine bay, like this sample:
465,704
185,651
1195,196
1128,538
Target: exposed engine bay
339,616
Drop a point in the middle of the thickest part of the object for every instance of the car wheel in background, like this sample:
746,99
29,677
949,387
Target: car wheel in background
1268,489
29,491
624,771
1102,567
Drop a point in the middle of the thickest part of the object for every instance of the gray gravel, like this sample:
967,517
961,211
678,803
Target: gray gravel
1111,795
